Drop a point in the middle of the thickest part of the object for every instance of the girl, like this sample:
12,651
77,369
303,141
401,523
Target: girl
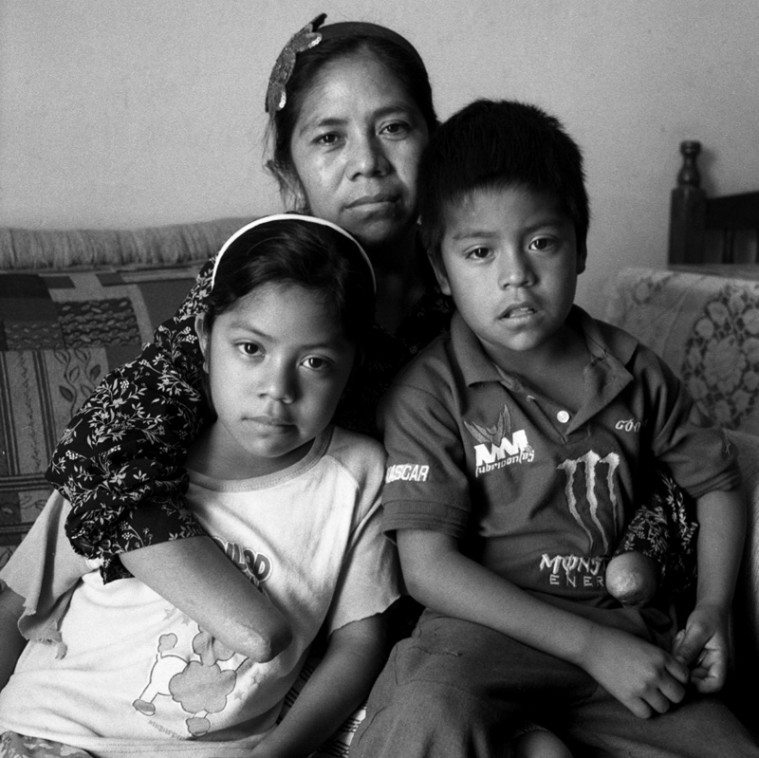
290,500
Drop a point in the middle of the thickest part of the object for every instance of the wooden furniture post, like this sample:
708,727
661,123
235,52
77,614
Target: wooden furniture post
687,210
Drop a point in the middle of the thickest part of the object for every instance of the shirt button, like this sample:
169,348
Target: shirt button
562,416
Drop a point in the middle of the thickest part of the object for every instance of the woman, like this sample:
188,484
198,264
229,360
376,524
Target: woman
350,109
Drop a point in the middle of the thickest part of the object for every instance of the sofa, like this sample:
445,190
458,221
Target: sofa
74,304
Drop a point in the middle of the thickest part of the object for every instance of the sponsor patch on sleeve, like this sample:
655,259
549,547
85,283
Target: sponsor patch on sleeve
407,472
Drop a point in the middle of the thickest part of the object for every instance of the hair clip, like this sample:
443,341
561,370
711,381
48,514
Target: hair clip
306,38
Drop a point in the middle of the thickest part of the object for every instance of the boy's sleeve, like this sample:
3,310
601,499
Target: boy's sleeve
425,482
120,462
44,569
696,451
370,577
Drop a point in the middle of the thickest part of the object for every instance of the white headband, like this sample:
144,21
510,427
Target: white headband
292,217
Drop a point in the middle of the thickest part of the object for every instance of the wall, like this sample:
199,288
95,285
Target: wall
138,112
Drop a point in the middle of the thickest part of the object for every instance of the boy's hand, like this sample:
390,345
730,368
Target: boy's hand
643,677
703,647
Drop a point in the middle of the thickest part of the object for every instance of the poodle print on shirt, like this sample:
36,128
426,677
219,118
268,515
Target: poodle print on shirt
201,686
197,675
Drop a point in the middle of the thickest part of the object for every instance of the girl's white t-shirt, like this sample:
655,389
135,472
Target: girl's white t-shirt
138,675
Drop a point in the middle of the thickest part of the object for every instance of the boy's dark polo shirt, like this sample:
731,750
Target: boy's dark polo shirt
535,493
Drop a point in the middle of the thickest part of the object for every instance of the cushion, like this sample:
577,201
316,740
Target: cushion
60,333
110,307
705,327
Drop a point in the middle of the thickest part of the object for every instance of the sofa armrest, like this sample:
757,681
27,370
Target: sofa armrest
746,614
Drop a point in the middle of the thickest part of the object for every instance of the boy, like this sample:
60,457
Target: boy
510,478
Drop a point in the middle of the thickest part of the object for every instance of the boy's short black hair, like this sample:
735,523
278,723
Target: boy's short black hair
497,144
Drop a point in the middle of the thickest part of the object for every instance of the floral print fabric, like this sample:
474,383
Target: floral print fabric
664,529
120,462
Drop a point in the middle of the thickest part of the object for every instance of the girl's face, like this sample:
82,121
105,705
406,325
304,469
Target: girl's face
278,362
356,147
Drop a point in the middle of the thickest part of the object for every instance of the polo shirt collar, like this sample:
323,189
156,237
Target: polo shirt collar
476,366
619,345
470,356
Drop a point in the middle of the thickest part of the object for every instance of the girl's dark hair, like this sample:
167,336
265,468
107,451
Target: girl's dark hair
294,251
494,145
399,57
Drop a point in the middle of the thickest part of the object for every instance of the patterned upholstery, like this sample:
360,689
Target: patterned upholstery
60,333
706,328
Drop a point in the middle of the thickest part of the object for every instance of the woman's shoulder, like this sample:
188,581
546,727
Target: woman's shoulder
432,370
429,317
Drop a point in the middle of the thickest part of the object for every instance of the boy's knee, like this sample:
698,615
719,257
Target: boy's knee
538,743
421,718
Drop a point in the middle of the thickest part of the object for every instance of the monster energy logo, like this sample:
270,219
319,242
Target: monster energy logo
575,571
589,520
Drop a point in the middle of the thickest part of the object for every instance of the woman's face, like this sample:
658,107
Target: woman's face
356,147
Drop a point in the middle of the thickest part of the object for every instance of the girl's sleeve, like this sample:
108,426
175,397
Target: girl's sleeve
44,571
369,581
120,461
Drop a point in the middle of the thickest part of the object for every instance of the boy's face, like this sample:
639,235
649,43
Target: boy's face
510,262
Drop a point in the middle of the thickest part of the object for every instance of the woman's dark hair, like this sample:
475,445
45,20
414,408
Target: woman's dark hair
294,251
399,57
